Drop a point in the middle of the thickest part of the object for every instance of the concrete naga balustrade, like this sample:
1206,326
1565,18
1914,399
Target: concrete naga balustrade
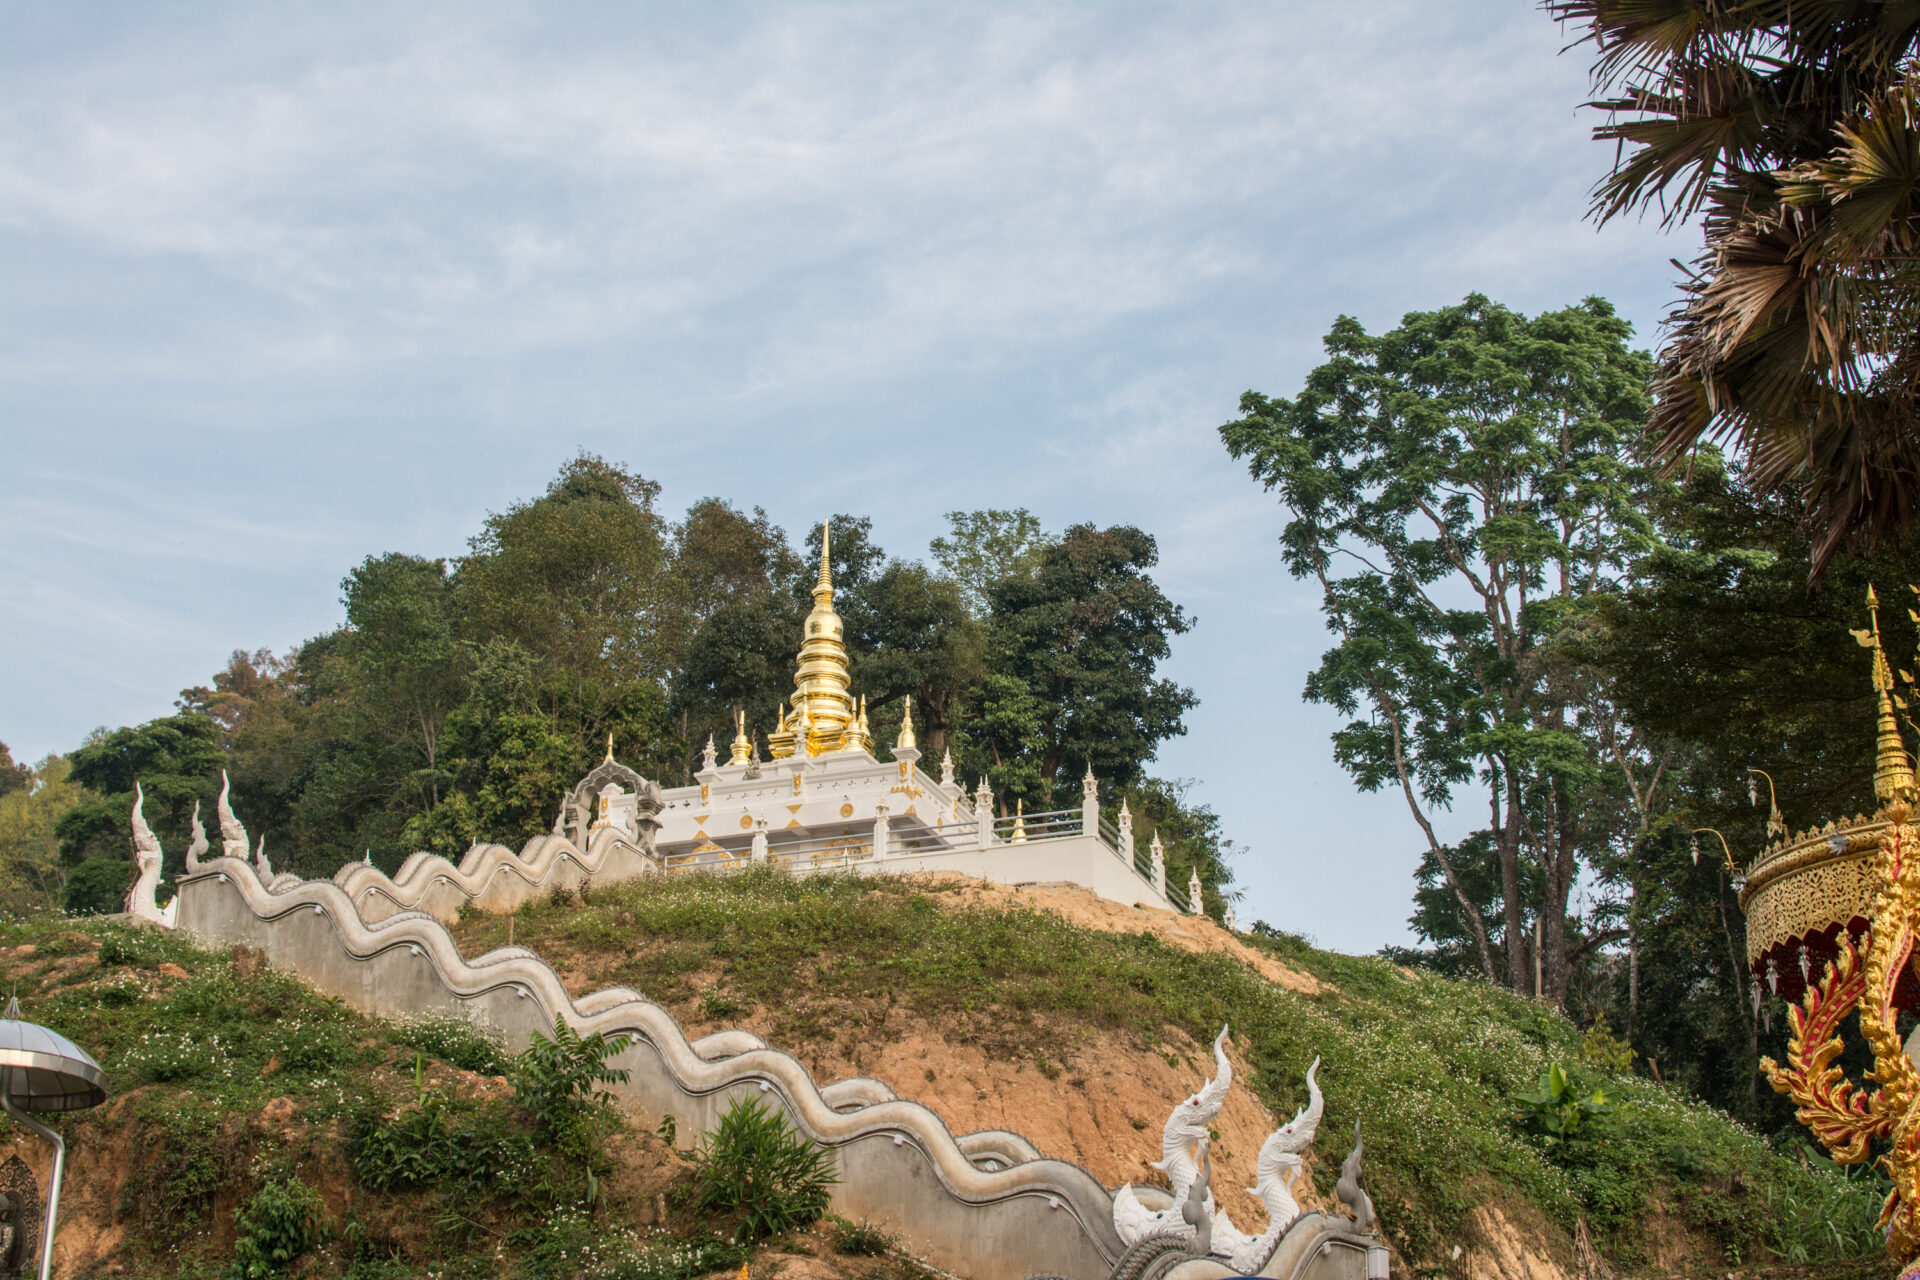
615,845
986,1205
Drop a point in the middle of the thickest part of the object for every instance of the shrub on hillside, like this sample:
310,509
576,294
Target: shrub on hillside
282,1224
456,1040
98,887
755,1166
558,1082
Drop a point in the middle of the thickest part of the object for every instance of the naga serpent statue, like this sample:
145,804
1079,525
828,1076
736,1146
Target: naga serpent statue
142,899
1276,1168
1184,1128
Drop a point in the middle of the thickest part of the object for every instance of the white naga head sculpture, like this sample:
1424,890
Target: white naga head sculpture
146,846
233,836
1280,1153
1189,1121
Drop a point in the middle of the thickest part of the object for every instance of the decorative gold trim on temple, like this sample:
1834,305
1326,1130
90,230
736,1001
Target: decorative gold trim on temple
1893,769
1805,893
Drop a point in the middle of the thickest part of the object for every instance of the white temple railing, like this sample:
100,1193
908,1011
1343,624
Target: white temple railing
954,835
1057,824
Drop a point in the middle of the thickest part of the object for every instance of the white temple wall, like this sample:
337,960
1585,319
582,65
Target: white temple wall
1077,860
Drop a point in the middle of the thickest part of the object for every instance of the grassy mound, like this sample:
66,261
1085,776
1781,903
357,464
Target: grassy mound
258,1129
1433,1068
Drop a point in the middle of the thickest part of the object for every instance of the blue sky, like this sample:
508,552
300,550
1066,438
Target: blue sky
284,286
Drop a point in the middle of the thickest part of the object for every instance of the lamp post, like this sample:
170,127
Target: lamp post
42,1071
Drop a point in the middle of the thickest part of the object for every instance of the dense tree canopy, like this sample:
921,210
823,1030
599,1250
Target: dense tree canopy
459,700
1457,486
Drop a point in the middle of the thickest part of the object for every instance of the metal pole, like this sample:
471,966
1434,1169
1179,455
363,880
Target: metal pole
59,1167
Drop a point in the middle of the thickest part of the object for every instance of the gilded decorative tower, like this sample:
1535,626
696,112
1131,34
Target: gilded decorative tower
821,706
1893,771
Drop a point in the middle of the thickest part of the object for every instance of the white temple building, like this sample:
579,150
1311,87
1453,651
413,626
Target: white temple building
825,802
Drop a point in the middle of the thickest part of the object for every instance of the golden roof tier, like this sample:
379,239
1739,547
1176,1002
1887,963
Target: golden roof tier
822,714
1803,891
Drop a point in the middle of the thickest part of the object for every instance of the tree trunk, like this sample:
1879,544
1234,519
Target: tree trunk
1633,964
1506,840
1468,907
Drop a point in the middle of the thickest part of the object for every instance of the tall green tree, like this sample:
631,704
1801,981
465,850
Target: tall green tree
406,657
1458,486
575,578
1082,638
982,547
917,640
176,761
31,877
735,611
1791,130
719,556
13,777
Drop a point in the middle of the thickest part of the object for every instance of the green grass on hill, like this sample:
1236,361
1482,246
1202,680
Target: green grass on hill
1430,1066
250,1117
235,1088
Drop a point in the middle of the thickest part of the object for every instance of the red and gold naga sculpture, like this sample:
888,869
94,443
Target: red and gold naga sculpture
1831,917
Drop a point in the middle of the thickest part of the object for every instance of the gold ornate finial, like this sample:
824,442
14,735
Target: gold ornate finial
824,714
1893,768
742,748
609,759
906,741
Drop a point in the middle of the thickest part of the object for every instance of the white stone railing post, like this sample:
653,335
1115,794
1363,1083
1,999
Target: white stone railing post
1126,833
983,815
1194,903
760,840
880,820
1090,805
1159,853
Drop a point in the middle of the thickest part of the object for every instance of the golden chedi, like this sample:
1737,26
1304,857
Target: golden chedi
821,715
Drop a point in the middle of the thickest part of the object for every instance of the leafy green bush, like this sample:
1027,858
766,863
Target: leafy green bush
438,1141
282,1224
570,1245
755,1166
163,1056
98,887
861,1239
1559,1114
558,1082
140,948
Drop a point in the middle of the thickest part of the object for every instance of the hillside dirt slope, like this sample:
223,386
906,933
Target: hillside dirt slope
1040,1009
1092,1095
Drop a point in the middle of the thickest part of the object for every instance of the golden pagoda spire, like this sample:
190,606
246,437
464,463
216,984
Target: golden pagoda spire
821,680
742,748
906,741
1893,768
